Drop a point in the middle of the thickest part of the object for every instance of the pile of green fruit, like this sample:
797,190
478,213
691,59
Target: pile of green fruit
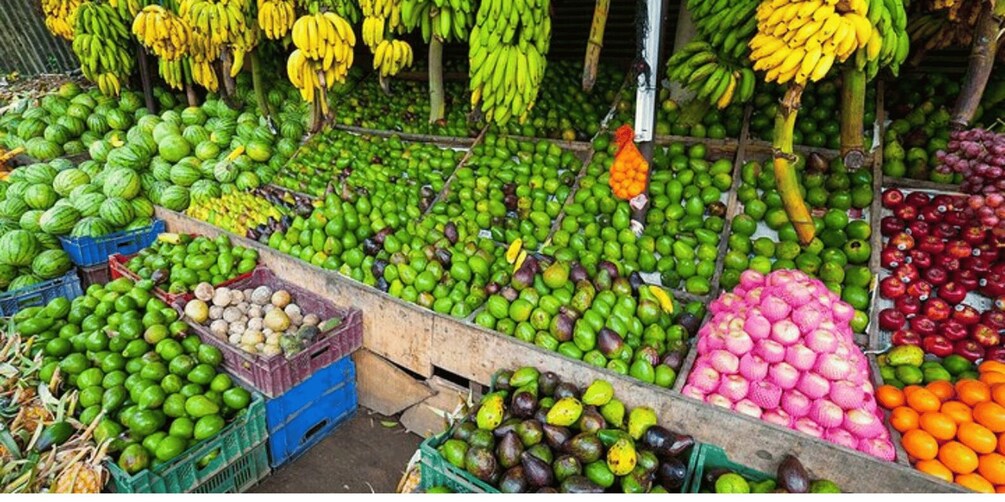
240,212
791,477
510,188
406,108
906,365
683,225
537,434
154,391
180,262
818,123
612,321
763,239
920,109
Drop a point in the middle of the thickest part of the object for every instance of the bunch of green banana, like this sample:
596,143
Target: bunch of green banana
889,44
129,8
933,31
101,43
726,25
799,41
506,52
324,53
344,8
162,31
276,17
444,19
697,66
391,56
174,72
59,16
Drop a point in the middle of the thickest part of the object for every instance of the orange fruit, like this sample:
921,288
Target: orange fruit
990,415
935,468
920,444
943,389
939,425
992,467
975,482
889,396
972,392
977,437
923,400
958,411
998,393
958,457
992,377
904,419
910,389
991,366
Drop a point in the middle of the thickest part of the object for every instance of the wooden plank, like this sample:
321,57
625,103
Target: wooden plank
876,210
731,205
429,417
890,182
393,329
476,353
385,388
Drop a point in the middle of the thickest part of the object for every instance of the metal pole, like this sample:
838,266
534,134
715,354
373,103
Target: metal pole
645,104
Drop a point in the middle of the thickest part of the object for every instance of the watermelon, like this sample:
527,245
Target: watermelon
164,129
123,183
89,204
195,134
173,148
54,104
160,168
13,208
148,122
77,111
42,149
99,150
286,147
156,190
131,155
89,137
247,181
225,172
59,220
146,181
85,100
171,116
118,119
205,189
23,281
48,241
51,264
207,150
68,90
60,165
137,136
193,115
117,211
183,174
143,207
7,274
221,137
74,126
40,196
91,227
91,168
259,151
40,173
18,248
130,101
175,198
16,189
245,131
74,147
139,223
29,220
56,134
66,181
82,190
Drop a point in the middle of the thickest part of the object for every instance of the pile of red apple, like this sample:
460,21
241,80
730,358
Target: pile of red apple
938,252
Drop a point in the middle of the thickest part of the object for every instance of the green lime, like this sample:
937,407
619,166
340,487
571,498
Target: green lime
836,219
858,229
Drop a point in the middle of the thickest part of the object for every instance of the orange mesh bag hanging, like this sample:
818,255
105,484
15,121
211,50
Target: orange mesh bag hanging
629,170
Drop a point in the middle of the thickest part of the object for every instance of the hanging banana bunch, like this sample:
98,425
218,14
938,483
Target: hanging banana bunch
59,16
244,44
175,73
391,56
276,17
507,50
381,18
163,32
101,43
324,43
445,20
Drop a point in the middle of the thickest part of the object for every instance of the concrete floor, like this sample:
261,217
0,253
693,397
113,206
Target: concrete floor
361,456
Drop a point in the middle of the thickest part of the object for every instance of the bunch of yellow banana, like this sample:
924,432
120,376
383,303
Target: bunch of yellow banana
276,17
173,72
101,43
245,42
800,40
372,31
324,53
506,52
162,31
391,56
444,19
726,25
697,66
204,74
222,21
59,16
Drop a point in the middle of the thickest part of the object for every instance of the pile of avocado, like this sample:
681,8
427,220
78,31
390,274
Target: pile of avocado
157,391
790,478
537,434
177,263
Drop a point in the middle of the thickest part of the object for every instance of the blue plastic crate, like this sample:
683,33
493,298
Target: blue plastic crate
90,251
40,294
308,412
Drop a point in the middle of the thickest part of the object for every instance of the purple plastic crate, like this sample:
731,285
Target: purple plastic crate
275,375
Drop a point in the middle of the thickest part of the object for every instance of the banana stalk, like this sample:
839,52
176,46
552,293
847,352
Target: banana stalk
594,44
436,102
852,111
229,86
783,160
190,95
259,86
982,58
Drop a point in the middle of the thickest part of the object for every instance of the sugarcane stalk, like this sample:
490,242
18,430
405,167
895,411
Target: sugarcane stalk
437,104
982,59
259,85
594,44
783,160
852,112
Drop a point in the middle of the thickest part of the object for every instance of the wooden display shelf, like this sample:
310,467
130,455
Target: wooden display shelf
420,340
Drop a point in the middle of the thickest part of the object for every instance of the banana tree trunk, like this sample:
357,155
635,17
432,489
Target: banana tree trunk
259,85
982,59
852,112
229,93
437,106
783,160
145,79
594,44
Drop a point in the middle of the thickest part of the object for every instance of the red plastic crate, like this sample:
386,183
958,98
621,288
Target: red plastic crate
275,375
117,266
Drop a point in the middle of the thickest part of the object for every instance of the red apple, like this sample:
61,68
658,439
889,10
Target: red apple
919,258
995,354
893,198
908,305
985,335
936,275
892,288
974,235
954,330
966,278
918,229
988,252
891,320
931,214
937,345
947,262
958,249
923,326
943,202
904,242
969,349
977,264
916,199
905,337
957,219
937,309
890,225
932,244
892,257
921,290
946,231
952,293
994,318
966,315
907,273
906,212
993,284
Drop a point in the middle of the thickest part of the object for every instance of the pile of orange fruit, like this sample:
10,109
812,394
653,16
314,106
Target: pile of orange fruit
955,432
628,179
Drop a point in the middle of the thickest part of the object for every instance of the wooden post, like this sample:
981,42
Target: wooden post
594,44
229,94
852,111
436,95
982,59
784,163
145,79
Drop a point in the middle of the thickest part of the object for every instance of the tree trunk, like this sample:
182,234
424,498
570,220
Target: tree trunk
783,161
982,59
437,105
229,94
594,44
145,80
259,85
852,111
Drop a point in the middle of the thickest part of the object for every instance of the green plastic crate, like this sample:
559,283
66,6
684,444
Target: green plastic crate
436,471
712,457
238,465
